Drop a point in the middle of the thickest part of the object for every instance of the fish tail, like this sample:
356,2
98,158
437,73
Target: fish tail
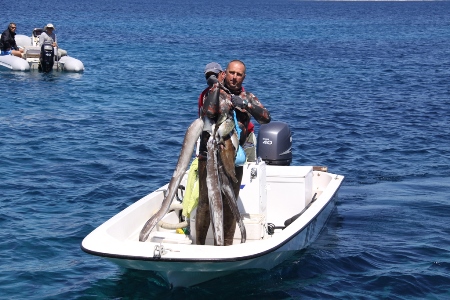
231,200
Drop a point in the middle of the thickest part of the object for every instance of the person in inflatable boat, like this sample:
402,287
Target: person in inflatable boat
8,44
48,36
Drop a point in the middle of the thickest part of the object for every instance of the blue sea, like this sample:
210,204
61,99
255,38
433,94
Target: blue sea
364,87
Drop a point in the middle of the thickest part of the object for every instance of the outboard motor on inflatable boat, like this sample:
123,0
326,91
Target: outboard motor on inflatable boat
47,58
275,143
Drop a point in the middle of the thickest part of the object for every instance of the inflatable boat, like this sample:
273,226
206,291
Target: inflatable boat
44,58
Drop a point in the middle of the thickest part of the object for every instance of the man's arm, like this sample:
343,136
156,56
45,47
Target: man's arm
251,104
211,104
14,44
41,39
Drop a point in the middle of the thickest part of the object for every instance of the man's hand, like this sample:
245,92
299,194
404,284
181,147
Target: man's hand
238,102
211,80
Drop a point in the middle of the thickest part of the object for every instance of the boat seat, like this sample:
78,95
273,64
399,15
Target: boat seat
33,53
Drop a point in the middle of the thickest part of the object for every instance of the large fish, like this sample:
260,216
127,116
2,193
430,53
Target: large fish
190,138
228,192
227,153
214,192
226,130
218,182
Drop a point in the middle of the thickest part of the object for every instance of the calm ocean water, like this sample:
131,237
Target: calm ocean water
365,87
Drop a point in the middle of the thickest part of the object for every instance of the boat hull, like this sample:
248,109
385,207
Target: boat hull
65,63
189,273
70,64
184,264
13,63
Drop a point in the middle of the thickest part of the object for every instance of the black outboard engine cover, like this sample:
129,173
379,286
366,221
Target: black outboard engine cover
275,143
47,58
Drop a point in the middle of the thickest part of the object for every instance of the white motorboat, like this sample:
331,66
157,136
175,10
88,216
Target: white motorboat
283,207
31,58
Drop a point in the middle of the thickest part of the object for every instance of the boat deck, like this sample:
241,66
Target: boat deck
265,203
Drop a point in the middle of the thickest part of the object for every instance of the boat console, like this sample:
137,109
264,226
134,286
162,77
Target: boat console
35,36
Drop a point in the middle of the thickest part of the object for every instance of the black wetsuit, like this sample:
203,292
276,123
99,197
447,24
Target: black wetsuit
214,106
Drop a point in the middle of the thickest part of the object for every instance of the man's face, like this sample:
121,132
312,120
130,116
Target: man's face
235,75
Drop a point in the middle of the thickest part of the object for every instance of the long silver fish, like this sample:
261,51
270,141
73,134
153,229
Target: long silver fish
227,190
214,192
190,138
224,131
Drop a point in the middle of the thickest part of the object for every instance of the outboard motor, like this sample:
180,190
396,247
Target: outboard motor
275,143
47,58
